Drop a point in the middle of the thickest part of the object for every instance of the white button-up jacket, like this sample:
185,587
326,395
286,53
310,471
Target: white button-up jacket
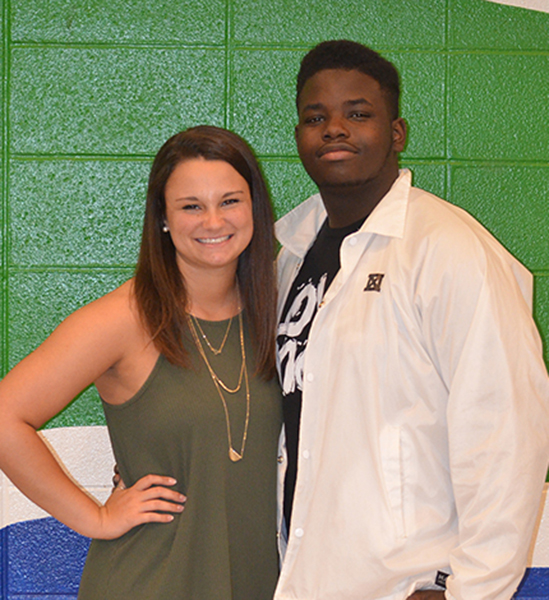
424,429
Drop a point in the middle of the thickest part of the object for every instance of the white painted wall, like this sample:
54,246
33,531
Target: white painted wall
542,5
87,455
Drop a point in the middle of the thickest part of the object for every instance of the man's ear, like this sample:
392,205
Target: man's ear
399,134
296,128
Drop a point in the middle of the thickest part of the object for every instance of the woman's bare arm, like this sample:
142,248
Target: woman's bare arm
87,347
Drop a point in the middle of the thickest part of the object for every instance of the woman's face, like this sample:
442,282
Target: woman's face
209,214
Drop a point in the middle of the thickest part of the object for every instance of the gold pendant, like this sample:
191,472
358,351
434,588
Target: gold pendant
234,456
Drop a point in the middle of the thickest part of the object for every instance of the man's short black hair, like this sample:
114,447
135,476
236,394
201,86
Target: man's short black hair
348,56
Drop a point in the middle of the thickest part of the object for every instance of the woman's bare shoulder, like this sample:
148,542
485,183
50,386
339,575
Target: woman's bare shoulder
115,311
106,329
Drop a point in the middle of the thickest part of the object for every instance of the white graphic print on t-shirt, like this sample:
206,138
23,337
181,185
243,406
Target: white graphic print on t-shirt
293,333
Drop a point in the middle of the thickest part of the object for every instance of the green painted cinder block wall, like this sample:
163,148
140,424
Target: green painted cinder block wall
91,89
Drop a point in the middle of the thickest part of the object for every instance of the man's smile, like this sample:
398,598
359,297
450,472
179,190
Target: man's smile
339,151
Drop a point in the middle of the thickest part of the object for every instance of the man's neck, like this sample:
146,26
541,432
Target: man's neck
348,204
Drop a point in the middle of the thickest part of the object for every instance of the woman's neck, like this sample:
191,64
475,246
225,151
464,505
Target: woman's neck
213,296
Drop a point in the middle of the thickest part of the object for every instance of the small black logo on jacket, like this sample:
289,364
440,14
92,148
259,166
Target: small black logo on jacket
374,282
441,579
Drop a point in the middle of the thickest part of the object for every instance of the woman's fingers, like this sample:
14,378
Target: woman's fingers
162,492
161,506
150,480
153,487
149,500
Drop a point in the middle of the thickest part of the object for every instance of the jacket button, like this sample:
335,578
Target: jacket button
299,532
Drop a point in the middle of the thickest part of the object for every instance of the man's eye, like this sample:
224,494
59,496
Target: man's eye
314,119
360,115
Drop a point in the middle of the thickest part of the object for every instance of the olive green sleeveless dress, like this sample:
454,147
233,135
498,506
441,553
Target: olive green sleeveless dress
223,545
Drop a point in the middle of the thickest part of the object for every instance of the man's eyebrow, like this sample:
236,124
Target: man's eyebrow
316,106
354,102
358,101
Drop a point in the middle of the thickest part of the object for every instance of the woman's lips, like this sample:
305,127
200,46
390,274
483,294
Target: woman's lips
214,240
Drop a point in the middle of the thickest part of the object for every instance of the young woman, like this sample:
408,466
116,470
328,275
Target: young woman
183,358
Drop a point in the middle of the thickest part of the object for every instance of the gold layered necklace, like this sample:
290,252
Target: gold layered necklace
216,351
218,383
195,323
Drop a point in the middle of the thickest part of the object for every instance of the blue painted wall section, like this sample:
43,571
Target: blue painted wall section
46,559
535,585
41,558
3,566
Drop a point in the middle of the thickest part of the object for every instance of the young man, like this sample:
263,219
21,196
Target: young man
416,397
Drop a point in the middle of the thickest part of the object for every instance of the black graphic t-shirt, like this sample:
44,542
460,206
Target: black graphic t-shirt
317,272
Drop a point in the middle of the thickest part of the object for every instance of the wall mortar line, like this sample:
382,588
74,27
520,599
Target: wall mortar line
446,117
5,180
228,63
4,270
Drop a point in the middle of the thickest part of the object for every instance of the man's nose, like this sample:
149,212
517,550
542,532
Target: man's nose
334,128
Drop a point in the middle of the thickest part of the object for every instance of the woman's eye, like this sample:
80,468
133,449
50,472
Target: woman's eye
230,201
190,207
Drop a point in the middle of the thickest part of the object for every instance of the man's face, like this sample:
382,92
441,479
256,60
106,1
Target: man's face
346,135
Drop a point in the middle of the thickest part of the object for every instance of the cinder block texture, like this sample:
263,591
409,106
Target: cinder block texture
92,89
38,302
498,106
56,574
534,586
85,452
289,184
110,100
541,309
3,591
41,596
513,203
429,177
76,212
477,25
380,23
119,21
423,102
263,99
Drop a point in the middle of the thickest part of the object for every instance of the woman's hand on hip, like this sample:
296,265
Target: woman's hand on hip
147,501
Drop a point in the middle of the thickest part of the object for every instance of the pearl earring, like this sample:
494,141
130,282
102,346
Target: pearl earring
165,229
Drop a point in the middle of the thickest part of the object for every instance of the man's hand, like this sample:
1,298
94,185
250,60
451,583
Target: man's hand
427,595
117,479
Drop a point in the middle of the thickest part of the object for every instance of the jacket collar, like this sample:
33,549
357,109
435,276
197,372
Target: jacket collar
297,230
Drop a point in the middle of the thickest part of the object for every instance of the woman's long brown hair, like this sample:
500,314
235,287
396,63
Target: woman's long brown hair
159,286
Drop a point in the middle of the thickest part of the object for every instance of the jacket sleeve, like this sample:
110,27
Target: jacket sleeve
482,337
